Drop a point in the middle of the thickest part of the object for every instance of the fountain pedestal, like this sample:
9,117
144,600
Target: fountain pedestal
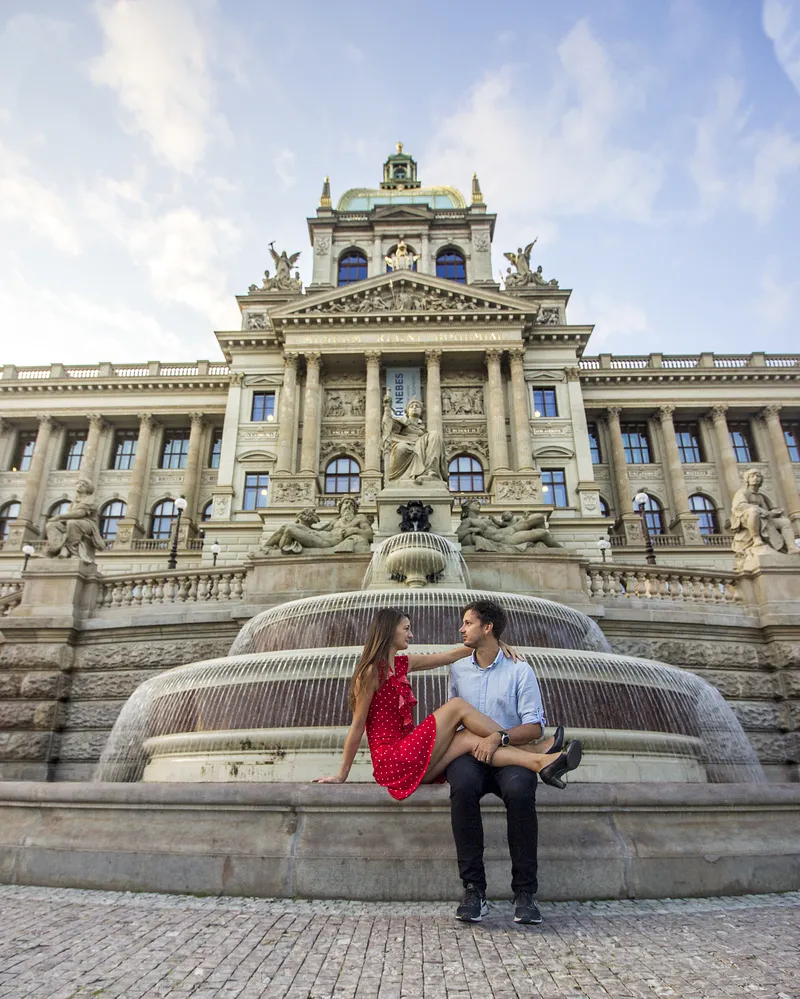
433,493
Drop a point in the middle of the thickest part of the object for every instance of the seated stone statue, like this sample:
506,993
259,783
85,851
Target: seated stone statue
759,527
350,532
506,533
76,532
414,452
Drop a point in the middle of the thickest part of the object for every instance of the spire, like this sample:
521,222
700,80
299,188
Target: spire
477,197
325,197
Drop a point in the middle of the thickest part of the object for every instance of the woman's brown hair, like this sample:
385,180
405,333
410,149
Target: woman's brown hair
376,649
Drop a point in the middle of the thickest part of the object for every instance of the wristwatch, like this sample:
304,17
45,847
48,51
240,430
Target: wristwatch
504,737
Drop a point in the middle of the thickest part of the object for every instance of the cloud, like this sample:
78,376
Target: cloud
613,318
560,154
777,301
40,208
157,60
781,22
284,167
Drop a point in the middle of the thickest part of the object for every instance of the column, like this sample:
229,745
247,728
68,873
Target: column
730,471
783,463
377,257
141,469
498,445
29,504
686,521
619,467
522,425
433,391
425,250
89,464
286,415
309,456
223,491
6,443
373,411
194,458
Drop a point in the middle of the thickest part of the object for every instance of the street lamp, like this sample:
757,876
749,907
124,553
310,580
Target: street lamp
180,505
216,548
603,544
27,551
640,499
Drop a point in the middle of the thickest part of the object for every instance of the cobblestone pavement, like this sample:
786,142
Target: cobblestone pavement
66,944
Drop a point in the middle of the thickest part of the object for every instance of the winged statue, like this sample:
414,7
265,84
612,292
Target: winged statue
522,261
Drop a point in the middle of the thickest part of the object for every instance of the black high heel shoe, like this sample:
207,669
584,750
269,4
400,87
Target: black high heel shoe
551,774
558,742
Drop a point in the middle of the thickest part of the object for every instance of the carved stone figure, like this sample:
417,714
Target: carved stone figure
404,298
415,516
759,527
333,404
506,533
401,259
538,278
414,452
257,321
548,317
524,276
350,532
283,280
76,532
462,402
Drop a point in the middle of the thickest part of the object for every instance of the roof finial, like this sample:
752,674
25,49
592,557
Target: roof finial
399,147
325,197
477,196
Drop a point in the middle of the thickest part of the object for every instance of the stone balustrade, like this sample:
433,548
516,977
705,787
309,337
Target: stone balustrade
705,360
172,587
156,369
661,583
10,595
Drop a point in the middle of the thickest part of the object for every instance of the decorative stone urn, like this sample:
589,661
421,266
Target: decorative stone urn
416,563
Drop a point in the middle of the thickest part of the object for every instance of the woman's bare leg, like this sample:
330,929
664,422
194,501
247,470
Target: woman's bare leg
505,756
451,716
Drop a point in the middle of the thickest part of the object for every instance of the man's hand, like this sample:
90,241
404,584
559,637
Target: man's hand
485,749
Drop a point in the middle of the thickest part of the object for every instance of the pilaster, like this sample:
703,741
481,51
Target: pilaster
783,464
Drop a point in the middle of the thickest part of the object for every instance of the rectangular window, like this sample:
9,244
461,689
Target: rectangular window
742,442
73,450
124,451
176,449
216,448
256,489
23,452
688,437
544,402
791,433
554,486
263,407
594,445
637,446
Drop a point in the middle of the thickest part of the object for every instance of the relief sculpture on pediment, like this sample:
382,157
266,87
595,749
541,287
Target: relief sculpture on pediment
398,297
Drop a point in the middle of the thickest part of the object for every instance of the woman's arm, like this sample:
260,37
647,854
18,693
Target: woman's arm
354,734
431,660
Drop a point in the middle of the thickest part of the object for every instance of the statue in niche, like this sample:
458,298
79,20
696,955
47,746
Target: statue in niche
415,516
506,533
759,527
351,531
414,452
401,259
76,532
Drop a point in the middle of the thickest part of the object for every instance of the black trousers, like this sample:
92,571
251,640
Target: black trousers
469,781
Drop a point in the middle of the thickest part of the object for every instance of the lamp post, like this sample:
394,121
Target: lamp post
603,545
180,506
27,551
216,548
640,499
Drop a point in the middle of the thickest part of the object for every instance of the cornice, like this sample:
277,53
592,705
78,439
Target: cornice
50,386
715,376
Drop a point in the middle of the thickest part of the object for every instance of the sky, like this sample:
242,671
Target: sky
151,149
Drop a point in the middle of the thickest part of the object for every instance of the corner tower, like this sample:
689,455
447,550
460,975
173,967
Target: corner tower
444,236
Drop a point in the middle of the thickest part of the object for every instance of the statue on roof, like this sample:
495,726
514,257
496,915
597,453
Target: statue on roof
401,259
283,280
525,276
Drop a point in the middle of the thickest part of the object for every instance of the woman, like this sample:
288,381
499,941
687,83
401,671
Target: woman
403,757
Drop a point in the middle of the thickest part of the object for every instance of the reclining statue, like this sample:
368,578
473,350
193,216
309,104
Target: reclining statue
506,533
350,532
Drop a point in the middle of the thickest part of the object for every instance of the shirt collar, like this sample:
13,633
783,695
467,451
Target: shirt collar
497,659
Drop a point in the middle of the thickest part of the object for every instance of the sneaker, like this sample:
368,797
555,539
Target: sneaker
525,908
473,907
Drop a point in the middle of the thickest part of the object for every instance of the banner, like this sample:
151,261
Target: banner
404,384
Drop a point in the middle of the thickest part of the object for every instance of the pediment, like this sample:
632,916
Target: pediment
401,212
553,451
405,292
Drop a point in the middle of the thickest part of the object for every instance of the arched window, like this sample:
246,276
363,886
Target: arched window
58,508
343,475
450,265
706,513
352,267
164,513
205,513
605,510
653,515
465,474
8,514
110,516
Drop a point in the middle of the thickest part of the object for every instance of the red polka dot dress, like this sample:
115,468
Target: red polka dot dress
400,752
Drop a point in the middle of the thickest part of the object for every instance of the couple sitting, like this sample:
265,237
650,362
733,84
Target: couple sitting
479,740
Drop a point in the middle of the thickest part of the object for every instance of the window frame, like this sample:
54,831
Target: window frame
105,518
595,447
169,453
557,488
266,415
458,262
466,474
23,451
653,515
694,447
8,516
351,254
747,448
338,475
549,401
123,436
258,489
707,514
215,448
69,454
162,517
791,434
642,448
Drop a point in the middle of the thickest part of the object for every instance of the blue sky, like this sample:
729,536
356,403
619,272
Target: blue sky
151,149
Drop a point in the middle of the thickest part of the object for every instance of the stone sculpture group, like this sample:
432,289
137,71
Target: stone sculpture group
507,533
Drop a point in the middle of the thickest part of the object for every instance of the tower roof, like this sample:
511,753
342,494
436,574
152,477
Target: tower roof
400,186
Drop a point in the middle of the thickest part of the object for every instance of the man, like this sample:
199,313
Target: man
508,692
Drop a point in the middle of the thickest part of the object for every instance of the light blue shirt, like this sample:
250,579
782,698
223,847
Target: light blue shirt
507,691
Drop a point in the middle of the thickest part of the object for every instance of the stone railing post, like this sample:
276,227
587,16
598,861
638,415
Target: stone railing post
783,463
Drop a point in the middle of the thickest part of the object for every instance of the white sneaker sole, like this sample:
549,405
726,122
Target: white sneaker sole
475,919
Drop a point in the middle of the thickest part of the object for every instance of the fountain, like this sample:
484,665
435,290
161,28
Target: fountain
275,709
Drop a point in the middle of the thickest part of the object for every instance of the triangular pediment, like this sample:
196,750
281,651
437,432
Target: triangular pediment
405,292
400,212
